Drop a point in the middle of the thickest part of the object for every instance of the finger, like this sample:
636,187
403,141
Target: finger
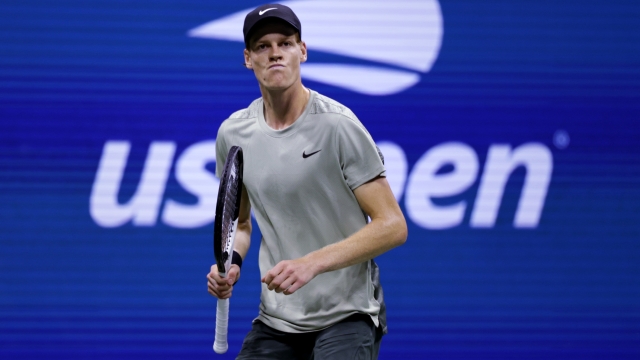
268,277
217,279
217,293
273,284
285,284
212,272
220,293
291,289
287,276
218,286
278,280
271,274
226,294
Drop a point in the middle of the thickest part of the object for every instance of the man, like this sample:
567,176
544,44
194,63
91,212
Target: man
312,174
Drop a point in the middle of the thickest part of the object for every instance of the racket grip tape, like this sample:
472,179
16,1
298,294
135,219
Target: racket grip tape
220,344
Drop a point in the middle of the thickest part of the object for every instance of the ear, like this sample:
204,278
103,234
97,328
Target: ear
247,60
303,49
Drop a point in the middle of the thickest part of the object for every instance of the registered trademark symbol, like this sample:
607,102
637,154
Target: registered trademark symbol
561,139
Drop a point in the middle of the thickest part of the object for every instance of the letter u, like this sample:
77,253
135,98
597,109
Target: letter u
144,205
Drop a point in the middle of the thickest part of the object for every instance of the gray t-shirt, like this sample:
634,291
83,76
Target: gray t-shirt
300,182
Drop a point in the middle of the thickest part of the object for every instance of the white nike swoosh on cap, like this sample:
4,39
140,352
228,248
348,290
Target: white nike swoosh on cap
265,10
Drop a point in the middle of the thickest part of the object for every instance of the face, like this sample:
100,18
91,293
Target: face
275,56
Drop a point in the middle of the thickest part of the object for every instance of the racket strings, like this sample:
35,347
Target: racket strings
229,211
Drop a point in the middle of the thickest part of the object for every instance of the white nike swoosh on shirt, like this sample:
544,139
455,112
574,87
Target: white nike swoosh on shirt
265,10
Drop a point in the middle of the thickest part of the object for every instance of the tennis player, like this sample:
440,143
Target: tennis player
312,175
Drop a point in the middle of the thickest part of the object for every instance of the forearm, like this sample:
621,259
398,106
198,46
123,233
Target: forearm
386,230
243,233
375,238
243,238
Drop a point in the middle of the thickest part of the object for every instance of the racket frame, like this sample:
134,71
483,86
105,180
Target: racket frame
224,257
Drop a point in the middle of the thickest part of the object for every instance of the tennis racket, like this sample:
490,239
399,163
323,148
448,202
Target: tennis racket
224,233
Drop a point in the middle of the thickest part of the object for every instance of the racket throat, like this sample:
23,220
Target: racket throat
228,251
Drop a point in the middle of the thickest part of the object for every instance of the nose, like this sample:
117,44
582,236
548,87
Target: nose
275,54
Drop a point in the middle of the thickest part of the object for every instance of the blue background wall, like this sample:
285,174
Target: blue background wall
77,74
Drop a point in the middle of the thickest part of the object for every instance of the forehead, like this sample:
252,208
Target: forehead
272,27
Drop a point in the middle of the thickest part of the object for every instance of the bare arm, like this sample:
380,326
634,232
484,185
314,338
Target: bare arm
222,287
386,230
243,235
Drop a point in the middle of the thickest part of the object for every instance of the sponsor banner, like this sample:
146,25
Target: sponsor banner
422,184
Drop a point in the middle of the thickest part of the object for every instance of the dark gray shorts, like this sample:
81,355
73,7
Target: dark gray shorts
355,337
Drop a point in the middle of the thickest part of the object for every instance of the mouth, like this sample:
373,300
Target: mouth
275,66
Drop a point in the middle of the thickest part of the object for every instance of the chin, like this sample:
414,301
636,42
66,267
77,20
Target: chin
277,86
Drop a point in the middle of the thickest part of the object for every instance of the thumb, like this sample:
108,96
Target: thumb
234,274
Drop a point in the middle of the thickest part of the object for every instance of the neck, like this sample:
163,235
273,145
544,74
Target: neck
283,107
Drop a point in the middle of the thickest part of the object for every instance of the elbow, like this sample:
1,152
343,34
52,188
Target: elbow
401,231
404,233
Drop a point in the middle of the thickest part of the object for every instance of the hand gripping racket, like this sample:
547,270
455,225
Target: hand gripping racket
224,232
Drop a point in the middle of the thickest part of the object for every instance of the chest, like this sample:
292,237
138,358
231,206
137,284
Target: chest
291,166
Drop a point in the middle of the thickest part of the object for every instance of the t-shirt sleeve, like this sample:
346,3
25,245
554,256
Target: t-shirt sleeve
359,157
221,151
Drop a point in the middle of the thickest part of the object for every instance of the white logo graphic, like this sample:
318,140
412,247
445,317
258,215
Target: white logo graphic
265,10
421,187
397,41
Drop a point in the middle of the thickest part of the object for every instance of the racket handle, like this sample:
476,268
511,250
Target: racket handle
220,344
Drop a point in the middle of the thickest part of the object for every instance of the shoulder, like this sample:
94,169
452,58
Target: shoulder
241,118
340,114
326,105
249,112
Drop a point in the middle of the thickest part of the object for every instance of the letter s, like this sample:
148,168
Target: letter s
193,176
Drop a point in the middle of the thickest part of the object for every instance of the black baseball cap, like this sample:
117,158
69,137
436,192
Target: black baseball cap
269,11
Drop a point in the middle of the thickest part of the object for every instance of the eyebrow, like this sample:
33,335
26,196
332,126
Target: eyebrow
286,38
